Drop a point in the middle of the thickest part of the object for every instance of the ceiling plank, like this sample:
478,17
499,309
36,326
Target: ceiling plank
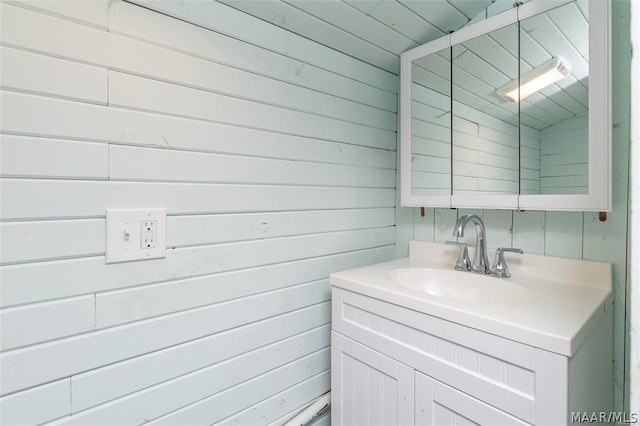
400,18
353,21
441,14
306,25
470,8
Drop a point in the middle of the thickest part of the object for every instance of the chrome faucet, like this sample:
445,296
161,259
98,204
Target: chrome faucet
480,261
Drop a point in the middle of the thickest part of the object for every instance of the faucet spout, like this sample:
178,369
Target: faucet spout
480,261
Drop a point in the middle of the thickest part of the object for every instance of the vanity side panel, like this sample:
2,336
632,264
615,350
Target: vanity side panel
591,372
551,388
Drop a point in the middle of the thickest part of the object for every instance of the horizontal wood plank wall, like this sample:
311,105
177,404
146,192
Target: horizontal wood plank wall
485,152
275,158
430,142
564,163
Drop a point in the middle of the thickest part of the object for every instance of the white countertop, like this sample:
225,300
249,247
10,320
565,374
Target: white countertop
569,296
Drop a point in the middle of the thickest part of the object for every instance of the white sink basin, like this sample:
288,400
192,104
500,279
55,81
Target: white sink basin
458,285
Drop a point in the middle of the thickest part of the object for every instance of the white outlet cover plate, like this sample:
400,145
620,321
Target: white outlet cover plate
124,236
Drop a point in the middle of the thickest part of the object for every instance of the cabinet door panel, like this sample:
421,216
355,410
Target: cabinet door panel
368,387
442,405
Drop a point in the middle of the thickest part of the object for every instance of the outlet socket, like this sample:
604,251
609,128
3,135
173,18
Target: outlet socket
148,234
135,234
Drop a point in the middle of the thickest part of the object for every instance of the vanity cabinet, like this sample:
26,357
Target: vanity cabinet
395,366
374,389
442,405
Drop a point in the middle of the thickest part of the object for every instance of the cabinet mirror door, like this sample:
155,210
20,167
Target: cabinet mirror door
485,125
430,156
428,123
554,120
513,142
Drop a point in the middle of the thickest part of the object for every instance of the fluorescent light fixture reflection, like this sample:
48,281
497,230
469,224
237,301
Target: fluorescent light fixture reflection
549,72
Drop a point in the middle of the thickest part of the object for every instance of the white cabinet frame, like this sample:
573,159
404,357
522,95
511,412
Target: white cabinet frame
522,383
600,117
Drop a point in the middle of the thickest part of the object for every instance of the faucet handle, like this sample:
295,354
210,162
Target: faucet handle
463,263
499,268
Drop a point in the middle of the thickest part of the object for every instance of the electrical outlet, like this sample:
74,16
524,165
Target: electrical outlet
148,234
135,234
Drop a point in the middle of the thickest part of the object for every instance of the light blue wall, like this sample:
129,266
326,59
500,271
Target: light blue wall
275,159
565,234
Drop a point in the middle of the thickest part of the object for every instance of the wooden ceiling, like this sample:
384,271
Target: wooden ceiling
378,31
375,31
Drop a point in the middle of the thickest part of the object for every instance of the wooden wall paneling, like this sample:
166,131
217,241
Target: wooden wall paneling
608,241
571,133
438,184
72,41
296,20
228,21
28,284
72,120
172,395
153,96
137,303
31,157
93,12
429,165
30,199
325,130
423,227
323,420
486,75
250,393
431,84
534,52
37,405
191,230
66,357
110,382
150,164
141,23
292,399
563,160
34,323
345,17
465,95
445,220
498,47
529,160
34,73
563,185
529,231
563,234
499,226
401,18
492,168
443,15
37,241
160,63
486,171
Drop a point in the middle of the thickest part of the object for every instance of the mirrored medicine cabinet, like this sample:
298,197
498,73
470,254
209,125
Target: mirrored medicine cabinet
513,112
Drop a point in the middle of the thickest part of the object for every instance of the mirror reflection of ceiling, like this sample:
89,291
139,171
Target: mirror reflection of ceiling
560,32
486,63
377,31
374,31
